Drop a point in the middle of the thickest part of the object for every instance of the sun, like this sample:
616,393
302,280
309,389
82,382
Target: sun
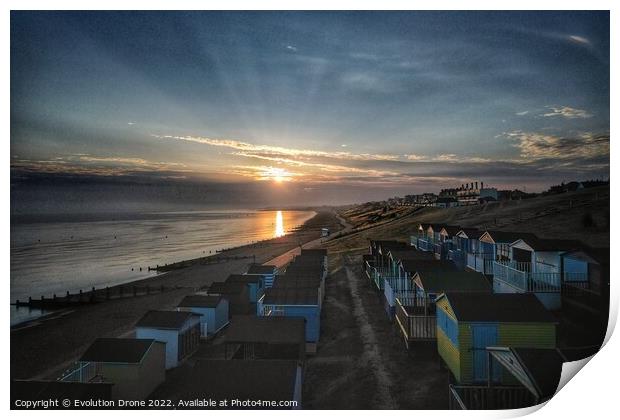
277,175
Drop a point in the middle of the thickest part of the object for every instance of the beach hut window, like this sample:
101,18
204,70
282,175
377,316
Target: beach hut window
503,251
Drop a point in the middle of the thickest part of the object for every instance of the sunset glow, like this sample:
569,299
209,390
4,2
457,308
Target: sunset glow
279,224
277,175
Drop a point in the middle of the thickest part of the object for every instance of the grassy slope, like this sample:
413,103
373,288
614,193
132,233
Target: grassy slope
558,216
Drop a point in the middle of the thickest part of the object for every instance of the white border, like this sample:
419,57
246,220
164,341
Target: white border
592,394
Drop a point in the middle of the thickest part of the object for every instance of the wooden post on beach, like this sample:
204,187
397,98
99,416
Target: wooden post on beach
120,292
80,297
134,291
148,289
107,293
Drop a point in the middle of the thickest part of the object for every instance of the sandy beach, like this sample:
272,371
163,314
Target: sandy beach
44,348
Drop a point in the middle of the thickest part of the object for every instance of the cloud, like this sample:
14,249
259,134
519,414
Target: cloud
522,113
567,112
579,39
291,48
84,164
535,146
277,151
416,157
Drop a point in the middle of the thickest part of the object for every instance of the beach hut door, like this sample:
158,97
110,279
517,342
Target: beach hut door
483,337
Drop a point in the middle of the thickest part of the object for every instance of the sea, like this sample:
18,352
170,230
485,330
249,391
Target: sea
60,253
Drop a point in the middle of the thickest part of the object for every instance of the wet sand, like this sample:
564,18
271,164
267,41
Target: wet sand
44,348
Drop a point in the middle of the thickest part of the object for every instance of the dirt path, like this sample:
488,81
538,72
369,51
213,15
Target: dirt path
372,354
361,362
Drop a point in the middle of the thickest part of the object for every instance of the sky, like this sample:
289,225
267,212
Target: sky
295,108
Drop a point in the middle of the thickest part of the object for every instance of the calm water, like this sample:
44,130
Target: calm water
56,256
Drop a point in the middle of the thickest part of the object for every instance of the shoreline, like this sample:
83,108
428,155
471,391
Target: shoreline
147,272
40,348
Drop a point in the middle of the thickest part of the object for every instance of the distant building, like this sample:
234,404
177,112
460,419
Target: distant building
446,202
469,194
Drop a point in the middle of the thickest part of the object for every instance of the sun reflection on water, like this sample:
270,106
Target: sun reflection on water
279,225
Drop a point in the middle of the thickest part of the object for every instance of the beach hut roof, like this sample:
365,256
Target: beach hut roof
242,278
291,296
256,380
221,287
200,301
165,320
261,269
293,281
410,254
499,307
445,281
544,367
268,329
451,230
117,350
471,233
499,236
538,244
436,227
412,266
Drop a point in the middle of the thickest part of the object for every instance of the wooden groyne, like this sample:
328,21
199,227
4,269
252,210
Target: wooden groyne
214,259
92,296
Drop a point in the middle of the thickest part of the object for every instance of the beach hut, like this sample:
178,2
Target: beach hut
244,384
266,273
135,366
236,293
589,297
534,374
316,252
464,242
444,244
301,281
294,302
271,337
180,331
428,237
252,282
213,312
494,245
399,283
468,323
535,265
415,309
382,266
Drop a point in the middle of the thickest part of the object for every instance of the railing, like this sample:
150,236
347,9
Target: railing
458,257
369,270
489,398
415,327
425,244
482,263
583,293
531,282
80,372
